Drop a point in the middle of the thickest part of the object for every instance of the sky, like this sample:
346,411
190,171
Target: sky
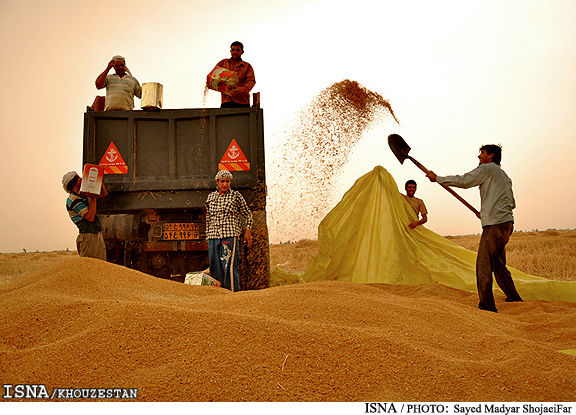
458,74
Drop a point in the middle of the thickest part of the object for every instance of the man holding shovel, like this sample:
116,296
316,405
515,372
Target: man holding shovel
497,202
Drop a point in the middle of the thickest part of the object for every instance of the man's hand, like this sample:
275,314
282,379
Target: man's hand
248,238
413,225
431,175
111,63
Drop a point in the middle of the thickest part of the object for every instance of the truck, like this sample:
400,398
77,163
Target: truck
159,169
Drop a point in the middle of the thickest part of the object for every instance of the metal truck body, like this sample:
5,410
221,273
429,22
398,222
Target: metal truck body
161,167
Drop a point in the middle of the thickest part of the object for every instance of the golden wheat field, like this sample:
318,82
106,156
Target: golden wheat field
550,254
84,323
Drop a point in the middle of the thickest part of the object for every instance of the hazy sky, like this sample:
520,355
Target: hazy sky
459,74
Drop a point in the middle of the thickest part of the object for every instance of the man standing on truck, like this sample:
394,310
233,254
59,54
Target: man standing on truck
416,204
497,202
225,209
82,211
238,97
120,87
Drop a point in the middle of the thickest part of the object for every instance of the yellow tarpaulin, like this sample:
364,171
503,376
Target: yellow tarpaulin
365,239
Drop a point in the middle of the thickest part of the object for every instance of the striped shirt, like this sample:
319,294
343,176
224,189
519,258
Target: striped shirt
224,214
120,92
77,207
496,197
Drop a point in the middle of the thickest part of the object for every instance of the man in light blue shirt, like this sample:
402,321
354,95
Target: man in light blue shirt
497,202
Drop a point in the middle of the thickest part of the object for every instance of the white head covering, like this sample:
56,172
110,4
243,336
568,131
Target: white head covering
223,174
67,178
121,58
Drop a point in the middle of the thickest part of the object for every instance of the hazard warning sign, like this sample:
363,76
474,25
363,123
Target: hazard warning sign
112,161
234,159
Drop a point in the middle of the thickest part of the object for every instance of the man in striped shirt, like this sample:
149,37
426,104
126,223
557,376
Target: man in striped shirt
120,87
225,209
82,211
497,202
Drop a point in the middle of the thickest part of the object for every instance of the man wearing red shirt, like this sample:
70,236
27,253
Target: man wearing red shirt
240,96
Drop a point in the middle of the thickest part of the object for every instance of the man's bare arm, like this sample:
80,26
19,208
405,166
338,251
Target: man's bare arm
101,80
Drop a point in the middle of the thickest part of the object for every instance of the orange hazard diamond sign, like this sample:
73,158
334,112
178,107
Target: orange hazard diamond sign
112,161
234,159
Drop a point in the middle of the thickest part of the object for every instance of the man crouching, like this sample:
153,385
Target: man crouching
224,211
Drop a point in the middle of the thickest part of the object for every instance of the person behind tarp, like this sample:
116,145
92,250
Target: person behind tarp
240,96
497,202
82,211
224,211
120,87
416,204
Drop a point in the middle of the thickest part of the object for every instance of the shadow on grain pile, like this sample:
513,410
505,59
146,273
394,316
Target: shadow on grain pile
87,323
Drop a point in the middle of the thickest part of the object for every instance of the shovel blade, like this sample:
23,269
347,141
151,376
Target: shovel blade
399,147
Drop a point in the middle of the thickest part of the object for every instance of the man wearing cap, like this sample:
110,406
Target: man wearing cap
240,96
225,209
120,87
82,211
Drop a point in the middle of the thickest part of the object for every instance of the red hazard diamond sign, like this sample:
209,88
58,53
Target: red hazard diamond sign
112,161
234,159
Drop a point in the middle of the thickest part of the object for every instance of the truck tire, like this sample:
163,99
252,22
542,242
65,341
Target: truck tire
255,261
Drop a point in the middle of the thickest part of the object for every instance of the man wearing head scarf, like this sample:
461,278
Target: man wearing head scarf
120,87
225,209
82,211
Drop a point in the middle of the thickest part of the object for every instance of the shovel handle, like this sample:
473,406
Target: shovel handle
452,192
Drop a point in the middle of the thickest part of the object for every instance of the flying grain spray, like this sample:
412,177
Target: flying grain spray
312,154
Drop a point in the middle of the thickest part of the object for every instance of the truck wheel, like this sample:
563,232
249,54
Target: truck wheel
255,261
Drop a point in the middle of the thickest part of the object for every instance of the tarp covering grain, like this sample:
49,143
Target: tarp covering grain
366,239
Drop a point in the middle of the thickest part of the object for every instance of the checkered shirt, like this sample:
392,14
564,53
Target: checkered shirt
224,214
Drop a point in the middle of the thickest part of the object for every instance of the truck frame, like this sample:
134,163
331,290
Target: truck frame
160,169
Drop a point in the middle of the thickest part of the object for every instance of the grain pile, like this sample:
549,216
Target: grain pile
87,323
313,153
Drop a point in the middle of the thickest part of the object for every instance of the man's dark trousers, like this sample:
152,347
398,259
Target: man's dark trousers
224,257
492,258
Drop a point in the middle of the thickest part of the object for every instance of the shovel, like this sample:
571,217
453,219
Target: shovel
401,149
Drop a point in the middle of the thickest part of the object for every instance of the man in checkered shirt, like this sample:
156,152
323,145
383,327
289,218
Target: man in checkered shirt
225,209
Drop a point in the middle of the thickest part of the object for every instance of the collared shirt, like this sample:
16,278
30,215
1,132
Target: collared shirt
224,214
416,204
77,207
497,199
246,77
120,92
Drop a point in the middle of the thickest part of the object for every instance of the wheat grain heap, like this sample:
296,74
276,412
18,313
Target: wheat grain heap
85,323
314,152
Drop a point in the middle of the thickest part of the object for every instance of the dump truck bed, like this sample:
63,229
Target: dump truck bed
171,156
